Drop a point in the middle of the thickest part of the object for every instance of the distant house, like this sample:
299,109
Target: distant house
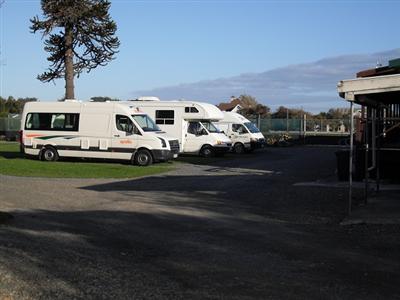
234,105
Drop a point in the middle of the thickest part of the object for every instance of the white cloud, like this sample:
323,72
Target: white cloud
309,85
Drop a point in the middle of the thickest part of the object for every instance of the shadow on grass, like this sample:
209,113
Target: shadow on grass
11,154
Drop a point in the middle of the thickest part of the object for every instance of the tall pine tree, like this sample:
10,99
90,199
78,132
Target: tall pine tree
80,36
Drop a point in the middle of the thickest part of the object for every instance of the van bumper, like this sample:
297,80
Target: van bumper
260,143
220,149
163,155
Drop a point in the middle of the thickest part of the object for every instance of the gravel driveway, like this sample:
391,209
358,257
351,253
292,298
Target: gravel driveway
237,228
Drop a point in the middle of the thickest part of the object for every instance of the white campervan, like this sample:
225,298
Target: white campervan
189,122
244,134
109,130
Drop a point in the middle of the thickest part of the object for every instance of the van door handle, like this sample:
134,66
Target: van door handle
116,135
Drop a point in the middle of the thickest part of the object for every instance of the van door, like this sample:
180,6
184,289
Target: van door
183,135
239,133
124,140
196,137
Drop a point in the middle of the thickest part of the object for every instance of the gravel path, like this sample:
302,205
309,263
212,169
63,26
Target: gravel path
238,228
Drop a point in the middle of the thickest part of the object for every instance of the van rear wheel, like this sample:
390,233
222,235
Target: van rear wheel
49,154
143,158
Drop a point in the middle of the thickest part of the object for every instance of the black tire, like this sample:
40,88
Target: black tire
49,154
143,158
238,148
207,151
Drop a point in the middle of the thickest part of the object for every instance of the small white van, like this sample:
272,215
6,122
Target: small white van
109,130
190,122
244,134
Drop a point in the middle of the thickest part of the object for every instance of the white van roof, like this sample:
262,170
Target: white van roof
148,98
206,111
232,117
76,106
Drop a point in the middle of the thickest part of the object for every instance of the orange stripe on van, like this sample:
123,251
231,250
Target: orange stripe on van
34,135
125,142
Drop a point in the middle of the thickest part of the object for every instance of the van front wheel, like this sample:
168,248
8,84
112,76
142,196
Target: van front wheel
143,158
239,148
49,154
207,151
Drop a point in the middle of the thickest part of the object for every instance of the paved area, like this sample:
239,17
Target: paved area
237,228
381,207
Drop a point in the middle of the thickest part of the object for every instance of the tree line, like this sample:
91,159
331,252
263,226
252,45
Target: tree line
11,105
252,108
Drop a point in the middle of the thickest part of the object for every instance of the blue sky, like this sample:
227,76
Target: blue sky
165,44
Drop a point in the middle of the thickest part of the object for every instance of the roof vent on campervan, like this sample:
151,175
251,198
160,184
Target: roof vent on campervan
148,98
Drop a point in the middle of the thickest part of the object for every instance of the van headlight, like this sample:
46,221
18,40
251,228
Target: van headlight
163,143
253,140
220,142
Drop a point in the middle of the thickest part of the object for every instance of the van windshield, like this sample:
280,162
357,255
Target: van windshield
210,127
146,123
251,127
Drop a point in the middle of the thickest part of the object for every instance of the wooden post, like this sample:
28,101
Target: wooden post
351,157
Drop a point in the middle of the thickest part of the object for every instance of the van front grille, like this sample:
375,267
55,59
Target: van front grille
174,145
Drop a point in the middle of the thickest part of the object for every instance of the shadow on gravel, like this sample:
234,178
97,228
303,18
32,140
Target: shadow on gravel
244,236
267,195
125,255
232,159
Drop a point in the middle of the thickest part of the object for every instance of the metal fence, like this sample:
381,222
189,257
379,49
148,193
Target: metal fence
303,126
9,128
10,124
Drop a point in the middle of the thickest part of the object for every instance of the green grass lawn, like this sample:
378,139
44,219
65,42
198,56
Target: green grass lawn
12,162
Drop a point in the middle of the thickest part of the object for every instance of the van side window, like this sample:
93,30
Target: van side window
194,128
239,128
165,117
52,121
191,110
123,123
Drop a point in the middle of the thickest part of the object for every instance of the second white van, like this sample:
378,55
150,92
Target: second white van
244,134
190,122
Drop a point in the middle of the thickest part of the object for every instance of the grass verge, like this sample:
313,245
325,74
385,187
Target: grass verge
12,162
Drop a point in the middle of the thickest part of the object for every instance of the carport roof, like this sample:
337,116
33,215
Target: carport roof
371,91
